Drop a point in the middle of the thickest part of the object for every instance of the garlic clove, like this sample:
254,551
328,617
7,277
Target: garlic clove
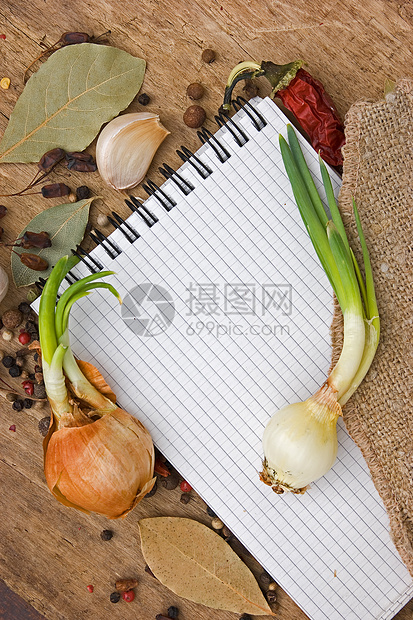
126,147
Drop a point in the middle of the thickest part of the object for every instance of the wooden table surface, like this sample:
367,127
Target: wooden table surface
48,553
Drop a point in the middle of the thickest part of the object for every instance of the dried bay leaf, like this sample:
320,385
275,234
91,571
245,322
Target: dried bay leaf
65,103
196,563
66,224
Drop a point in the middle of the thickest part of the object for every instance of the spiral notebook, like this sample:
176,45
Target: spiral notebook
225,318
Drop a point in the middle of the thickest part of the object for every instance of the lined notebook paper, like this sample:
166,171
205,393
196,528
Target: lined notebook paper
225,319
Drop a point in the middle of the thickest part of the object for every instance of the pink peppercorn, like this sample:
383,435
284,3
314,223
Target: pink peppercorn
185,487
24,338
128,596
2,36
12,428
28,387
90,589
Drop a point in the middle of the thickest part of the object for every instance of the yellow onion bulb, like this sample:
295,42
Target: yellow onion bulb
104,466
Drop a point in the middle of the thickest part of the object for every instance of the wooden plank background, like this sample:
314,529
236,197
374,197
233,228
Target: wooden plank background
49,554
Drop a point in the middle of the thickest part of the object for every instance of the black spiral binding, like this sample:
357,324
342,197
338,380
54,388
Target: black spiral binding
167,202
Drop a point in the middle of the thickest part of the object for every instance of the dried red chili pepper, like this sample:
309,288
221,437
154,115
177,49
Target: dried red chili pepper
33,261
55,190
305,97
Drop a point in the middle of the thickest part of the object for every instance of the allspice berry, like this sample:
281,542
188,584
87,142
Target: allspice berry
208,56
12,319
195,91
194,116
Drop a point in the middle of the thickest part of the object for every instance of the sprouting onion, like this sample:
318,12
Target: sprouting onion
300,440
97,457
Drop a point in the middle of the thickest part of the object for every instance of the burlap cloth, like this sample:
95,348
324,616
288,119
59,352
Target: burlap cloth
378,168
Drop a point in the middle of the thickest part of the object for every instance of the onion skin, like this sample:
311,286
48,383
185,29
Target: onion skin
104,466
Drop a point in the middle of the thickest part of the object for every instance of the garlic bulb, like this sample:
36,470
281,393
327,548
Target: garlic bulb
126,146
300,443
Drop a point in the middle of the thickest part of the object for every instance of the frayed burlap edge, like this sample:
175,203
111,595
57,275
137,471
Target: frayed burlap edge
399,513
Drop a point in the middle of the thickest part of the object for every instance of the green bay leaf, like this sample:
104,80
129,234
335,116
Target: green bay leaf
66,224
65,103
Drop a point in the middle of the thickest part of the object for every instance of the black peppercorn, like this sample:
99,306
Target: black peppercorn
144,99
173,612
153,490
24,307
82,192
211,513
245,617
106,534
43,425
185,498
115,597
18,405
28,403
15,371
8,361
271,596
265,579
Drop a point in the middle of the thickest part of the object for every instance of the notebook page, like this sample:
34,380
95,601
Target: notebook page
225,319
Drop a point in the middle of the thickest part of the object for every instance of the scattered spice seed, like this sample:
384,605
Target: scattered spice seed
171,482
217,524
3,211
128,596
55,190
208,56
153,490
144,99
39,391
15,371
90,588
7,335
106,535
24,307
12,318
185,498
25,374
102,220
194,116
185,486
33,261
8,361
28,403
18,405
32,295
124,585
250,89
115,597
82,193
24,338
12,428
195,91
173,612
50,159
271,597
161,469
5,83
265,579
245,617
227,534
43,425
3,36
19,362
34,240
272,586
210,512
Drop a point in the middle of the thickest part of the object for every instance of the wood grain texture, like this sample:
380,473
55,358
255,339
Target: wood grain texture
49,554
